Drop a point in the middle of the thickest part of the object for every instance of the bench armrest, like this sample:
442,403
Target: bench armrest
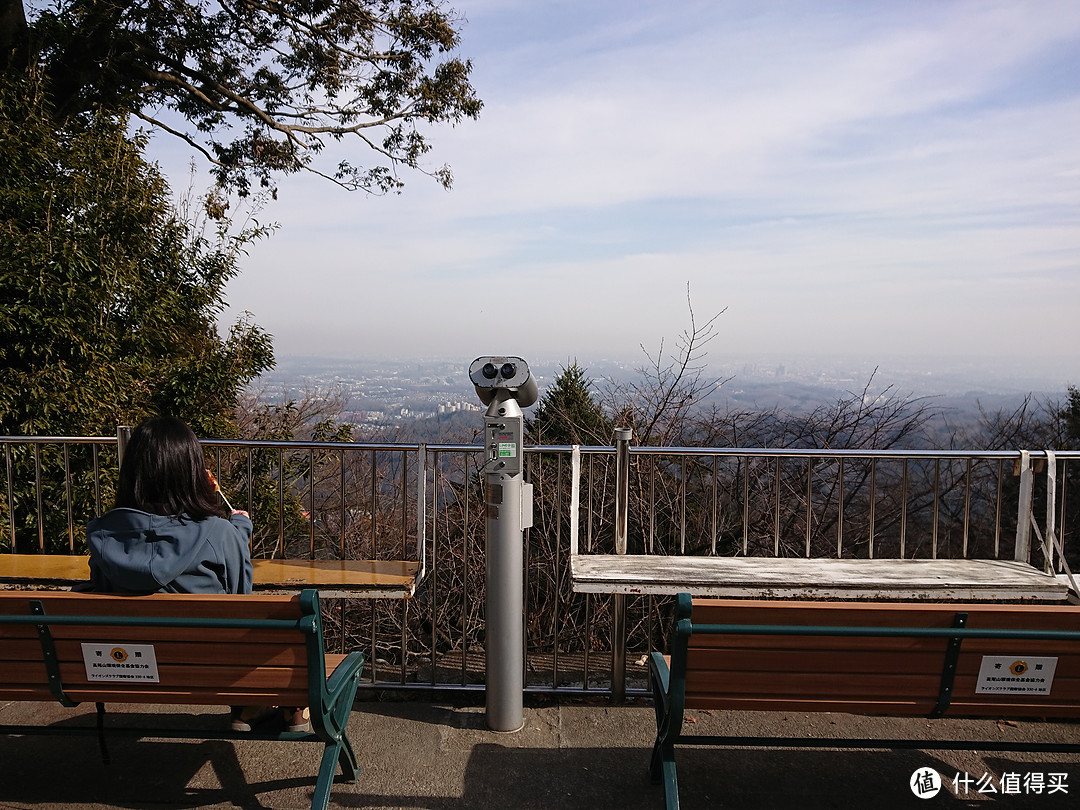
352,665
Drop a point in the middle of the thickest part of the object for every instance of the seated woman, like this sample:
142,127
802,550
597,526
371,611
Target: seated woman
171,531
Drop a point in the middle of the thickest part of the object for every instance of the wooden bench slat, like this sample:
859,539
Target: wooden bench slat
808,645
897,644
23,672
812,684
193,606
190,672
963,708
138,635
828,660
29,682
120,693
183,652
206,675
958,708
807,704
894,614
21,649
25,692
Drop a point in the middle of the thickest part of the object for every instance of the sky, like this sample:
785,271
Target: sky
839,178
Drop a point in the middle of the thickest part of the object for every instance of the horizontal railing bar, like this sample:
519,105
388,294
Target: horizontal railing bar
766,452
57,440
755,452
309,445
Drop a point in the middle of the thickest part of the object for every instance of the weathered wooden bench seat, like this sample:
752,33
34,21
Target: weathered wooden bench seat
877,658
181,649
370,579
788,578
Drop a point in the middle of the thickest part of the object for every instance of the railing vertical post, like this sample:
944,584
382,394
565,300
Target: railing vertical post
10,496
575,497
421,509
39,497
622,487
622,514
1022,549
1051,513
123,433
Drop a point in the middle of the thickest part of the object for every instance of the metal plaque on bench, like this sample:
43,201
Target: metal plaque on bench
1015,675
120,662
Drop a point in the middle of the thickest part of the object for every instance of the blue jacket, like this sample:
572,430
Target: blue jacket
136,552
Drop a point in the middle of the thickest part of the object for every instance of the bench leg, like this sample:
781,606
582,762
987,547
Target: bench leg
325,783
335,754
671,779
662,766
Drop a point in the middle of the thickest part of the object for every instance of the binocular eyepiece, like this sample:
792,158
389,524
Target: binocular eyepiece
490,375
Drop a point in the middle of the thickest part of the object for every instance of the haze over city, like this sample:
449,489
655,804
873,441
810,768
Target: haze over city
871,178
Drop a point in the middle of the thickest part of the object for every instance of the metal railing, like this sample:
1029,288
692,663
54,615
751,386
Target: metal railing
394,501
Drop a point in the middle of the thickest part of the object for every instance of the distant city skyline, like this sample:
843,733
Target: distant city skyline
916,376
872,178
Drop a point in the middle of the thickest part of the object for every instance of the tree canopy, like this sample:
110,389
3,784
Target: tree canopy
568,412
259,87
110,296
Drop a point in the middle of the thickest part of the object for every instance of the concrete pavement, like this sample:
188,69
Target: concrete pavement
578,753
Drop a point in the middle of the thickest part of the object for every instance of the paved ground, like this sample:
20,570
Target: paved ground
577,754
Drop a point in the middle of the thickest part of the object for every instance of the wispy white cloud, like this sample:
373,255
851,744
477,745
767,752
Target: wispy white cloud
841,176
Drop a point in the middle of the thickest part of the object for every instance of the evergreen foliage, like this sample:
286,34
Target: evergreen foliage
1070,415
568,412
110,297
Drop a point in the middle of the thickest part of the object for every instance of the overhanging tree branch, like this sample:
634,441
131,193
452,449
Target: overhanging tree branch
262,83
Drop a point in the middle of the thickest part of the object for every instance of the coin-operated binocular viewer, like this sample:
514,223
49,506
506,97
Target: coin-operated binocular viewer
505,385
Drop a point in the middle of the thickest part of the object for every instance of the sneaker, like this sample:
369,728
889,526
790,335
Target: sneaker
244,717
297,719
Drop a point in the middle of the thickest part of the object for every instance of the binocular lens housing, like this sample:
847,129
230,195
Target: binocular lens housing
507,374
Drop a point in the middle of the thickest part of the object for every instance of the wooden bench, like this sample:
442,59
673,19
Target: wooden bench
970,660
180,649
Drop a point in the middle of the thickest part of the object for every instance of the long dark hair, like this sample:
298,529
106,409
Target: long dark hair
164,472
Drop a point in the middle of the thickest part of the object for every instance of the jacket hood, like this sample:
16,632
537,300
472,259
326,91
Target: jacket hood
141,552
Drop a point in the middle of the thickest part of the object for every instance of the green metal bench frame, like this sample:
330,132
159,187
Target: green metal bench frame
330,700
669,691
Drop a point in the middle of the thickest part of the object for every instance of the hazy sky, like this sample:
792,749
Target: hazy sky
846,178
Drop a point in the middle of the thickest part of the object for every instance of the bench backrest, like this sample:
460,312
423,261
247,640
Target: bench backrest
880,670
252,649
